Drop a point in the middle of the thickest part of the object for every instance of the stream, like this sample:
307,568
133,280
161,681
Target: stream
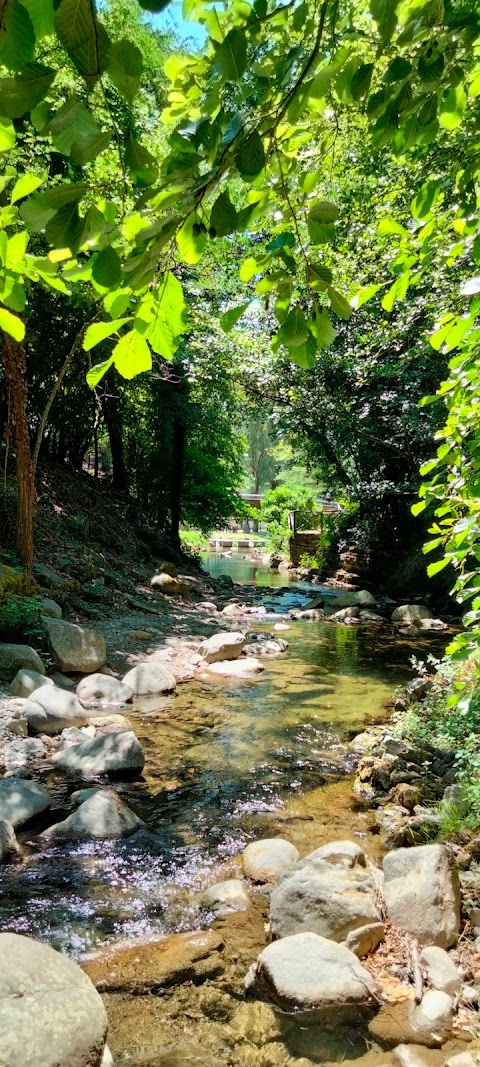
227,761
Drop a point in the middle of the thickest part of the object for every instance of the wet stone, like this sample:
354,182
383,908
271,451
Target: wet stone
140,967
265,860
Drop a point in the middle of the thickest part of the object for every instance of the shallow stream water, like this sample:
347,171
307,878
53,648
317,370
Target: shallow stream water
227,761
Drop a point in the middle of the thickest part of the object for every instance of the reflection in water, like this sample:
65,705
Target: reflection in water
224,760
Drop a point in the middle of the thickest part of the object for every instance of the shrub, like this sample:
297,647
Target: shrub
20,620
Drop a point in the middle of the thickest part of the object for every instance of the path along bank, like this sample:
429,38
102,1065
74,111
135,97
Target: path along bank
177,991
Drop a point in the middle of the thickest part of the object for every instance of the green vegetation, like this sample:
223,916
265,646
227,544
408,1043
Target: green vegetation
20,620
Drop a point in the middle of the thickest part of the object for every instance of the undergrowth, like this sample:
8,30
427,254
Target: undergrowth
20,620
449,718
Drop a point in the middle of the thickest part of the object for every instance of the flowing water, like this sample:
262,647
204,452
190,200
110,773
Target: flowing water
227,761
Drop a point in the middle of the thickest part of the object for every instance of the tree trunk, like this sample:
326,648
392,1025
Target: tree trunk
176,481
112,412
14,365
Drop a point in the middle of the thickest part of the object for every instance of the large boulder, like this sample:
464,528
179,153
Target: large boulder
50,1012
312,977
322,898
265,860
51,710
225,646
114,753
73,648
8,841
99,689
21,800
422,894
51,608
102,815
14,657
26,682
150,678
411,614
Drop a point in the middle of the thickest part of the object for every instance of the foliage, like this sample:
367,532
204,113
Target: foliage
192,541
20,620
309,562
276,507
452,724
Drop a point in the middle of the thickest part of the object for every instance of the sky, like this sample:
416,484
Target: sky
189,33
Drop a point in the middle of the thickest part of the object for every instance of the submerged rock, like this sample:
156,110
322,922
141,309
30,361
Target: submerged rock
102,815
312,977
224,646
51,710
75,648
50,1013
21,800
26,682
113,753
150,678
328,900
265,860
144,966
238,668
422,894
100,689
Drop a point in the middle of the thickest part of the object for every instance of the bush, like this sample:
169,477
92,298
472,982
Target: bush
20,620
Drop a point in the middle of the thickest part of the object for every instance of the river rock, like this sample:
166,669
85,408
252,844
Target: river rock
339,853
328,900
371,617
312,977
265,860
464,1059
412,1056
75,648
115,753
143,967
81,795
100,689
345,613
345,600
107,1058
366,939
164,583
422,894
224,646
366,599
26,682
223,897
238,668
440,970
102,815
411,614
21,800
51,608
15,657
150,678
51,710
50,1013
433,624
8,841
433,1018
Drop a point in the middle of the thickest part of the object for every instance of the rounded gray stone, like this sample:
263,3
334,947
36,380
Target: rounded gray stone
21,800
103,815
265,860
150,678
100,689
52,710
113,753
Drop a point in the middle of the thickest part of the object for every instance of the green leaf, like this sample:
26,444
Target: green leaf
132,355
324,212
250,159
230,318
117,303
389,226
434,568
417,509
339,305
248,269
16,248
452,108
231,56
170,303
319,276
321,327
191,240
154,5
363,295
36,213
82,36
125,66
25,91
360,83
99,331
107,268
320,233
140,164
41,15
397,70
11,324
26,185
7,134
425,199
223,217
384,12
304,355
17,37
294,331
95,374
74,132
65,228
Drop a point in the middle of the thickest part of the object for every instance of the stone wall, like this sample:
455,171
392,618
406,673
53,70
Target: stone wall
303,543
